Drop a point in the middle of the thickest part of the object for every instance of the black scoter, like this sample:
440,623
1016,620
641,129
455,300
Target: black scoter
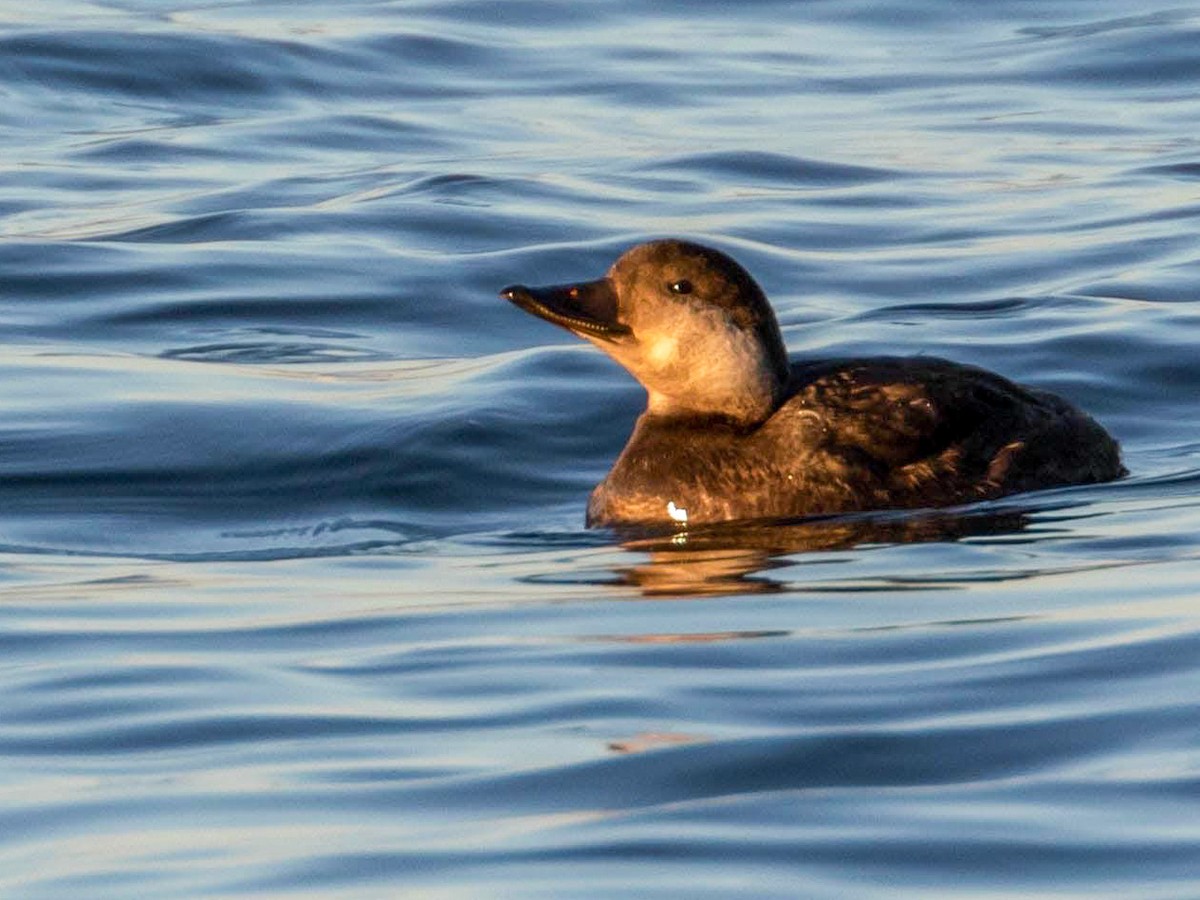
733,430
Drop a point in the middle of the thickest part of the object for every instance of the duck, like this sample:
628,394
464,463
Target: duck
735,430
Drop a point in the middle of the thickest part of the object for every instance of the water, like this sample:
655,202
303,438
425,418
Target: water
295,597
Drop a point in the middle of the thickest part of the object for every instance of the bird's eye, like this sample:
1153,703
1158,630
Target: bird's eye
683,286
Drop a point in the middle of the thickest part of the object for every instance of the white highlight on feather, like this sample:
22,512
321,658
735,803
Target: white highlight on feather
677,513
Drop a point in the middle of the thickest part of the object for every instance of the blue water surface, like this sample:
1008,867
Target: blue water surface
295,594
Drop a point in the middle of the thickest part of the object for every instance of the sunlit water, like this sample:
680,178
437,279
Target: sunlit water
295,597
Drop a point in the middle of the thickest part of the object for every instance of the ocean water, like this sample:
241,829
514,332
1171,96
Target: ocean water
295,594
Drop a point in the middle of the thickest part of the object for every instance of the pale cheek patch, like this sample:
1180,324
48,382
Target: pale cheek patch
663,350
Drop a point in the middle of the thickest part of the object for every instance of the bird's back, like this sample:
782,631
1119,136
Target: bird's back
858,434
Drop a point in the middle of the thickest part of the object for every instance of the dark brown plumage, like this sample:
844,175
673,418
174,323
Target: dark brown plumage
732,432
